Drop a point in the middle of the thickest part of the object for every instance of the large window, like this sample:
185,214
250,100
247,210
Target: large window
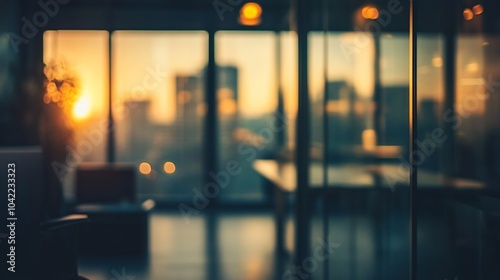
247,97
158,96
253,121
80,58
158,103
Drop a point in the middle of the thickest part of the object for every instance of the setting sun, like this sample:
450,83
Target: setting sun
81,110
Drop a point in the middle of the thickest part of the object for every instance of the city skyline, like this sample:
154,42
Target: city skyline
137,54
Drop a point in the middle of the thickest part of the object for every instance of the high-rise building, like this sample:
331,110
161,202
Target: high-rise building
345,124
227,98
138,130
189,99
186,151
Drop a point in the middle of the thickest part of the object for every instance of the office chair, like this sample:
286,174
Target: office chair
43,249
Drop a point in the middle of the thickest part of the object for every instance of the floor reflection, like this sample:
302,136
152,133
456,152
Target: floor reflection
242,247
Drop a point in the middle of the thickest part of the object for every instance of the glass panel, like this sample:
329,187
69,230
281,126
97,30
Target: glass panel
457,154
430,86
247,101
350,105
367,135
77,60
158,105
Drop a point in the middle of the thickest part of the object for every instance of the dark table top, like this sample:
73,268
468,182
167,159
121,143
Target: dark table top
145,207
358,177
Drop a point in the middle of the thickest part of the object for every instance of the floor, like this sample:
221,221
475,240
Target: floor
369,245
243,249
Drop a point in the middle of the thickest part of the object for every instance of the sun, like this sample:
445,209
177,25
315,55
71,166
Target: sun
81,110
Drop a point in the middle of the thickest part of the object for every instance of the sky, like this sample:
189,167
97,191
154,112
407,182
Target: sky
87,54
135,53
172,52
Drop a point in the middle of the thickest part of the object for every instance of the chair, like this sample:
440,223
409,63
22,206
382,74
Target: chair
105,183
43,249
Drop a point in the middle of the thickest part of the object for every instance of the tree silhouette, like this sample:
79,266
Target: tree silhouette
62,90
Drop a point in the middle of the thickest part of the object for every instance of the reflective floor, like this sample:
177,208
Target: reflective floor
244,249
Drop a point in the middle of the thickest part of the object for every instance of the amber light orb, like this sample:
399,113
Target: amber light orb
169,167
145,168
250,14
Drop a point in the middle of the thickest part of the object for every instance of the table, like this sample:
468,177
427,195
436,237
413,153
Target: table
283,175
350,178
115,228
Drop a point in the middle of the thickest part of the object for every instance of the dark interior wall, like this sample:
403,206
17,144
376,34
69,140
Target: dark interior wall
9,69
165,15
21,72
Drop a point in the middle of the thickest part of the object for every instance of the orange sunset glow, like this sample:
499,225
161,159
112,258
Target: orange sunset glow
82,108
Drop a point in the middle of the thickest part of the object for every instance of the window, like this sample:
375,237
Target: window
83,57
158,93
247,94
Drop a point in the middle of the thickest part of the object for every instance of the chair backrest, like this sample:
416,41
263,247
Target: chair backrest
24,195
105,183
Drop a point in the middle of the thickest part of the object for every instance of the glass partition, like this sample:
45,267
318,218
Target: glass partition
247,96
455,151
366,107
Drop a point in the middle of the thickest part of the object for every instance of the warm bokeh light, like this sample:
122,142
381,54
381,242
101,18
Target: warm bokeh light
169,167
364,11
337,107
437,62
228,107
369,139
84,56
250,14
478,9
369,12
81,110
472,67
145,168
468,14
225,93
251,10
46,98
